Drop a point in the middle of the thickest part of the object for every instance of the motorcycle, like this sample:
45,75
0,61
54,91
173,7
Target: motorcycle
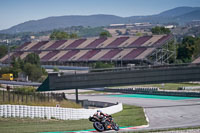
104,124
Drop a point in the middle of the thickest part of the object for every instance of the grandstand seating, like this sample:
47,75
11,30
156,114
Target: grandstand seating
38,45
57,56
110,54
120,55
13,55
5,57
140,41
196,60
152,40
145,53
44,47
67,43
106,43
76,43
117,42
128,41
99,55
27,47
78,55
96,42
56,44
22,46
86,43
92,49
24,55
49,55
68,55
161,40
134,53
42,54
88,55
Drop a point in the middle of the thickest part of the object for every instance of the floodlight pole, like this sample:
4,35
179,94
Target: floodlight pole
77,96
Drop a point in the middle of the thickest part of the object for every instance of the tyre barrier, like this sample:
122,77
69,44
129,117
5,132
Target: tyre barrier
23,111
139,89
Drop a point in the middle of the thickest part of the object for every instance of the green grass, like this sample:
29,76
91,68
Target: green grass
130,116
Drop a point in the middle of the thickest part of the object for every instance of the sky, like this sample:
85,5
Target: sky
13,12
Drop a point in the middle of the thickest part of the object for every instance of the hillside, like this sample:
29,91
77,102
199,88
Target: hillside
178,11
180,15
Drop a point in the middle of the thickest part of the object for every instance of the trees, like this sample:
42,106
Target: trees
188,49
33,71
30,66
61,35
3,50
32,58
73,36
105,34
160,30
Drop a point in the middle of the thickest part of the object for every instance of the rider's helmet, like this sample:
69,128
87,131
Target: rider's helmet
99,111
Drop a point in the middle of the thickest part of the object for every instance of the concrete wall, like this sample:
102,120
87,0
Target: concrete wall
133,77
53,112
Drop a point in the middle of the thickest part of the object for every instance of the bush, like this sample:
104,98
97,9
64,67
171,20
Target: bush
103,65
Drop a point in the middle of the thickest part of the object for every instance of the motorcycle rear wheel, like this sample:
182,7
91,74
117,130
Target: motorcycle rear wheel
98,126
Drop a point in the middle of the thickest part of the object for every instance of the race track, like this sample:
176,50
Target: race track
162,113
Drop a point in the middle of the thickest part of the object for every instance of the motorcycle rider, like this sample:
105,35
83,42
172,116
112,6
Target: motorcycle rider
100,114
103,117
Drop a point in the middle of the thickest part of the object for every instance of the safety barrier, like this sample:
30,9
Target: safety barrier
153,92
53,112
189,88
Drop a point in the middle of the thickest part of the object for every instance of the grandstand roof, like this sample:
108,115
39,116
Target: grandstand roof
92,49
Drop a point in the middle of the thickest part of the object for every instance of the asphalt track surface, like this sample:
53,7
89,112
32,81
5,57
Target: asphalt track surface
162,113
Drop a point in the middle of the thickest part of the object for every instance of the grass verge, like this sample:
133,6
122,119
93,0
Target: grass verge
130,116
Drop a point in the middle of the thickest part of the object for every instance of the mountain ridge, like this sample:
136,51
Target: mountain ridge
179,15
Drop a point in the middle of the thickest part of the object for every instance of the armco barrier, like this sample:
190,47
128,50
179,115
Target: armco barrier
53,112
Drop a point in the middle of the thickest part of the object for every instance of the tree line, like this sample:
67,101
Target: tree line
61,35
30,66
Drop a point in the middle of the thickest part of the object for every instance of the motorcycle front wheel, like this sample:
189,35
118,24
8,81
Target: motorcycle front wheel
116,127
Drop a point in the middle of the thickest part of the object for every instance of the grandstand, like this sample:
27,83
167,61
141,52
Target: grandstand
197,60
120,50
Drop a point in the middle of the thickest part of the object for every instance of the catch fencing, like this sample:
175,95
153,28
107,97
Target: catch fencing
53,112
